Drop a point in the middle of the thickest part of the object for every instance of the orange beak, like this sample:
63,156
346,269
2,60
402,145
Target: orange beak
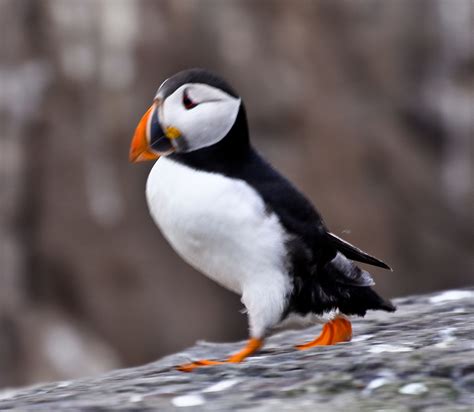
140,148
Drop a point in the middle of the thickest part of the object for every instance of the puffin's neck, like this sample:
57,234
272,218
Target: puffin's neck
228,153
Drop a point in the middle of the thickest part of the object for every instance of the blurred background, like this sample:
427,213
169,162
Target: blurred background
366,106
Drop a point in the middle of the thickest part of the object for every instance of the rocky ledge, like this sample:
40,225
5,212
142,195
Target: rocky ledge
419,359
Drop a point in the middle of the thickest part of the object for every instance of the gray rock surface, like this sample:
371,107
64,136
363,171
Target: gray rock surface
419,359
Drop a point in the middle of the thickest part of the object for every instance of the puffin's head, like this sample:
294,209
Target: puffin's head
192,110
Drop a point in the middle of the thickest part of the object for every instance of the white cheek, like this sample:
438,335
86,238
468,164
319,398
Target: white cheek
209,123
204,125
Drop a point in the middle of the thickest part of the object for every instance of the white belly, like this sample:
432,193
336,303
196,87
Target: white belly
219,226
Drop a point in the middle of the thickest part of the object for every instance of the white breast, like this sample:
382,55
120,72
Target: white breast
221,227
218,225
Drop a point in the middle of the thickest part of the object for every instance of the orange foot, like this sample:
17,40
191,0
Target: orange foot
336,331
252,346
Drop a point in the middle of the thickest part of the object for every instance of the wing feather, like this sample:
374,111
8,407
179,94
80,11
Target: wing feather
354,253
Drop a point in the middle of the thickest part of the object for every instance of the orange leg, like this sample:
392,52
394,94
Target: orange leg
252,346
336,331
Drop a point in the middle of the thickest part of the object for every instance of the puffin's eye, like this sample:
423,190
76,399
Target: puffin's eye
187,102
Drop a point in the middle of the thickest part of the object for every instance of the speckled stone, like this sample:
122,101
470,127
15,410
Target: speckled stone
420,358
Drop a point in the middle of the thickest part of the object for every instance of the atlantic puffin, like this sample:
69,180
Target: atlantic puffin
228,213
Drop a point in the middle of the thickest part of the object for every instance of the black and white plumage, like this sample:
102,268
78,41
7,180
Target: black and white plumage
233,217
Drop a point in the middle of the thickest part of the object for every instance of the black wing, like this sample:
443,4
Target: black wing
354,253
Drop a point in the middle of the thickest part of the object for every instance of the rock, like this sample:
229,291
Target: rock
420,358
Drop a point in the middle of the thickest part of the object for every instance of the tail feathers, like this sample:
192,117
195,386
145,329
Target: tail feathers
354,253
363,299
352,288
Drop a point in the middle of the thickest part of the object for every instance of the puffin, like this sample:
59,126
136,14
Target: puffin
232,216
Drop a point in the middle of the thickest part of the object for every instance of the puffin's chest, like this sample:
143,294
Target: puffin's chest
217,224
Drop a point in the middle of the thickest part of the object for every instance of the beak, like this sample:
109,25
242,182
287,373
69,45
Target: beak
149,141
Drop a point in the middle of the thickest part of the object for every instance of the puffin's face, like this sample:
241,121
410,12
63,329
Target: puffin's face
190,111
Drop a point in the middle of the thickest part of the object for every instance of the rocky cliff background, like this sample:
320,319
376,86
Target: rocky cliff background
367,106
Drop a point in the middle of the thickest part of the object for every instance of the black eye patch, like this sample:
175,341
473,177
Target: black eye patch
187,101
